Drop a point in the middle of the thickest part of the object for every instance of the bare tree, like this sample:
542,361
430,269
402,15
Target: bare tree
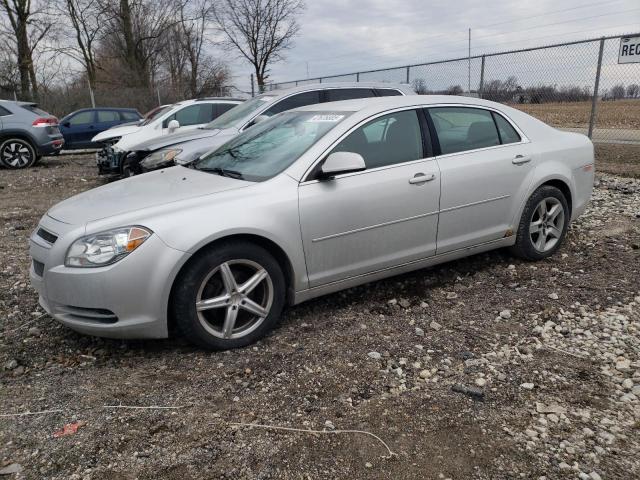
260,30
87,18
29,24
617,92
633,90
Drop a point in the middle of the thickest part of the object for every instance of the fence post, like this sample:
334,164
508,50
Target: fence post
253,90
596,86
320,80
481,87
357,76
408,75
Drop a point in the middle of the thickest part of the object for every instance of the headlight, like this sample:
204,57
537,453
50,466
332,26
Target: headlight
159,158
105,248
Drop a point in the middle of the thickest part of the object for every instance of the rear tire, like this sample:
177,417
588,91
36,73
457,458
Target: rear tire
229,296
17,153
543,224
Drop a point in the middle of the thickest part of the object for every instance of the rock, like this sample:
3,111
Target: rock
627,383
329,424
564,466
368,465
451,295
393,301
623,365
554,408
553,296
584,476
435,325
18,371
419,332
531,433
11,364
11,469
425,374
527,386
34,332
506,314
404,303
424,305
595,476
374,355
481,382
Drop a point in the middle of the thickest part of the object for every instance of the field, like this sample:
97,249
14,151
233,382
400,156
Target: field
623,114
485,368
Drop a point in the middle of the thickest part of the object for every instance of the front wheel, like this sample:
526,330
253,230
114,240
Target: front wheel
229,296
17,153
543,224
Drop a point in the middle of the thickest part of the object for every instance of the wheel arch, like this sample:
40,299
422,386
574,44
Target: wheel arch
9,134
272,247
561,185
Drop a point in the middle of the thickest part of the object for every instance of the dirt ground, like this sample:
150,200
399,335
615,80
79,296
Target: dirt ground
548,352
611,114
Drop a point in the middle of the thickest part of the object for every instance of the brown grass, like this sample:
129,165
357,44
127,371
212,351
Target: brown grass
621,160
611,114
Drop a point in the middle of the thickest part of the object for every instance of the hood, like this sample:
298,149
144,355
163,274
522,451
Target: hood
140,192
118,131
180,137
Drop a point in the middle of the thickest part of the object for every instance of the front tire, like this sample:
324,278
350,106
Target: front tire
543,224
229,296
16,153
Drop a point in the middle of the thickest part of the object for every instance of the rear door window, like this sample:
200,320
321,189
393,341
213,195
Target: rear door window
221,108
462,128
129,116
295,101
4,112
36,110
508,134
191,115
108,116
337,94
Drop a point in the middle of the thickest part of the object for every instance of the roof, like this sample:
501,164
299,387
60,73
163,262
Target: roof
382,103
227,99
403,87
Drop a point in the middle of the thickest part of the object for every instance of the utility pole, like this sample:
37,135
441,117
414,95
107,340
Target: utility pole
469,73
253,92
158,90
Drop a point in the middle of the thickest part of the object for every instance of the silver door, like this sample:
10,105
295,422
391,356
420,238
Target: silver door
379,218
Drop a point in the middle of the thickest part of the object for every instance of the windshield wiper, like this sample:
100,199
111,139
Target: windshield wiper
223,172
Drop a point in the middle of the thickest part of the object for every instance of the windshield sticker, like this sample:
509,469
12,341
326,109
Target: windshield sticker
326,118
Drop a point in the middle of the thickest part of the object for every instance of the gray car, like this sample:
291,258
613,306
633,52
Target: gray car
26,134
183,148
309,202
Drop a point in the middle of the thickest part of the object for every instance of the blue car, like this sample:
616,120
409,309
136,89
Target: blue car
79,127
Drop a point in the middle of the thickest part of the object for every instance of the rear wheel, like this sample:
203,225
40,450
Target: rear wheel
543,224
229,296
17,153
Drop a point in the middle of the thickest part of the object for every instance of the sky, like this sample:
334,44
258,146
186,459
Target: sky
345,36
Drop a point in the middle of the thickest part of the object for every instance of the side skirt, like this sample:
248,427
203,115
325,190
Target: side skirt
308,294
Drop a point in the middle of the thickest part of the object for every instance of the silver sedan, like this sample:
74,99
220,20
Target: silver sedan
309,202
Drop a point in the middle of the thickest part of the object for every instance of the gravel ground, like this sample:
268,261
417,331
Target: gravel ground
488,368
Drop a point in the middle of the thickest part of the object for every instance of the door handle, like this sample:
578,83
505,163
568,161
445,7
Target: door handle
421,178
520,159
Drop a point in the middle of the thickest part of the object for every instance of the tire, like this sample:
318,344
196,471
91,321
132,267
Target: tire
17,153
127,171
543,224
231,318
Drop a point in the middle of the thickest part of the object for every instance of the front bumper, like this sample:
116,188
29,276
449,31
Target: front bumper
128,299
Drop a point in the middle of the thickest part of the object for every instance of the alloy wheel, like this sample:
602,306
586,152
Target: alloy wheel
16,154
234,299
547,224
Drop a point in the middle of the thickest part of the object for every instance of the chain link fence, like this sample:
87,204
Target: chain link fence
577,86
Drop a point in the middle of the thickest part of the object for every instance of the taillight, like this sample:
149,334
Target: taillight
45,122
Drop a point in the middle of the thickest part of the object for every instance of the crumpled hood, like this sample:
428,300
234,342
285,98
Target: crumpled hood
140,192
180,137
118,131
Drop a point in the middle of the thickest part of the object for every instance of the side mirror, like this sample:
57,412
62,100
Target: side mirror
342,162
173,126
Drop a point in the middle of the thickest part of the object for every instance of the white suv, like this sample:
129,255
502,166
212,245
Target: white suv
179,117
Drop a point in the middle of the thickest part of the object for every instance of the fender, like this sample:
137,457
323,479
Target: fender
15,132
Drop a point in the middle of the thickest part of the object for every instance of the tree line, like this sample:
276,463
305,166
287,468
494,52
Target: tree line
510,91
137,53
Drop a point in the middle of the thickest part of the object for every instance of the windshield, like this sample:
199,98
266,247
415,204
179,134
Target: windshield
231,117
153,115
271,146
